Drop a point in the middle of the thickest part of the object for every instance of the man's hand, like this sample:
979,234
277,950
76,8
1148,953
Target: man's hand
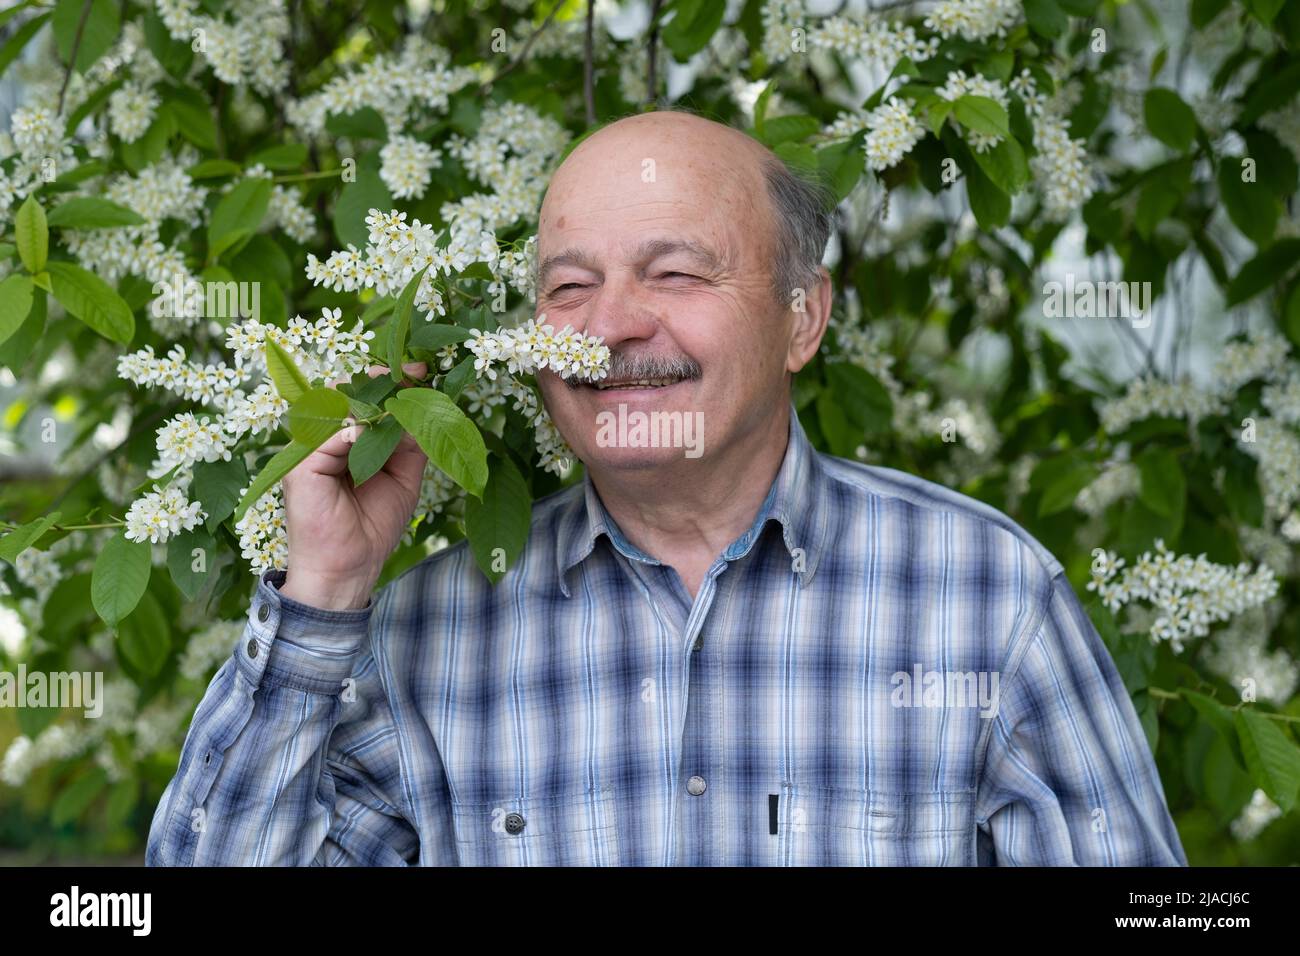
340,535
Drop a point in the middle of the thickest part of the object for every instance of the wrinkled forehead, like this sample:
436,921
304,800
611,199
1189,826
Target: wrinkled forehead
620,187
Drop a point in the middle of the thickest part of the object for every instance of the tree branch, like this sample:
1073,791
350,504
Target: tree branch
72,54
523,50
652,80
588,67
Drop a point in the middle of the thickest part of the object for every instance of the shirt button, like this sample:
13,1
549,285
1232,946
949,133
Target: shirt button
263,613
252,647
514,823
695,786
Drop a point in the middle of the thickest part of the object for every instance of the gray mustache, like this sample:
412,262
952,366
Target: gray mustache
633,367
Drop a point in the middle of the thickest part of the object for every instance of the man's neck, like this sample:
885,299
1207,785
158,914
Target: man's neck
687,514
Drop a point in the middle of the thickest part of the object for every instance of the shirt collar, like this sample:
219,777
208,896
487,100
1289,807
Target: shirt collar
796,501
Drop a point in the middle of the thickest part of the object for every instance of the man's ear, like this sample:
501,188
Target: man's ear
812,311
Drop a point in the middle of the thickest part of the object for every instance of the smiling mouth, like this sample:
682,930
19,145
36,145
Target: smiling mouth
634,383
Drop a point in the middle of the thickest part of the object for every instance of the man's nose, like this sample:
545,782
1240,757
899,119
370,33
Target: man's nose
620,312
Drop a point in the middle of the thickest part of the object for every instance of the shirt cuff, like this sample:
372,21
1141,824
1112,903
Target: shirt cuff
294,644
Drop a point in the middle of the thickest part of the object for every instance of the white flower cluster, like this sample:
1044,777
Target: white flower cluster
874,40
130,111
1063,176
184,440
419,77
406,166
1147,396
1188,594
285,210
1277,449
783,27
958,85
568,353
1121,480
892,132
160,514
973,19
1258,814
245,49
1240,653
512,152
1262,355
263,533
321,349
161,191
37,135
437,493
209,648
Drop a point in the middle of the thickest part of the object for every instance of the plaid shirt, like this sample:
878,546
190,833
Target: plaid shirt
880,671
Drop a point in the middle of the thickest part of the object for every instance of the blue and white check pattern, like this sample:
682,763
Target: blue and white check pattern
586,711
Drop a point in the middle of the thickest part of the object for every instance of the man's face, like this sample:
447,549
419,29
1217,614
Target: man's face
656,234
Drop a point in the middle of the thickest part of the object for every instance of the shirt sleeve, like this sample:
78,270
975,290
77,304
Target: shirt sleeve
1068,777
292,756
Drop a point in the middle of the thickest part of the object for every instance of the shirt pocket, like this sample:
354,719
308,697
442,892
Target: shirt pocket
836,826
562,830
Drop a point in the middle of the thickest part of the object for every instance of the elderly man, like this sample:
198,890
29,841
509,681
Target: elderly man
758,655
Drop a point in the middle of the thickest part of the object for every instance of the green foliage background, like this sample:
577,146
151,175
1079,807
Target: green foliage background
925,295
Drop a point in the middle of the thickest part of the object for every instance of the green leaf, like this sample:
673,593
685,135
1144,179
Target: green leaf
15,44
193,118
861,396
15,304
1060,493
90,299
284,461
1046,18
143,637
1005,165
216,487
1169,119
781,129
690,29
23,537
75,798
98,31
1218,717
181,560
120,577
365,123
990,205
32,235
501,519
15,351
238,215
1251,206
212,168
1203,11
289,380
401,321
91,212
461,374
435,335
1271,758
122,798
149,148
373,448
1163,488
316,415
284,156
1273,91
355,202
1272,265
450,439
982,115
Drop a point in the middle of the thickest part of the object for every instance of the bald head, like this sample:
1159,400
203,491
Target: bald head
785,218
